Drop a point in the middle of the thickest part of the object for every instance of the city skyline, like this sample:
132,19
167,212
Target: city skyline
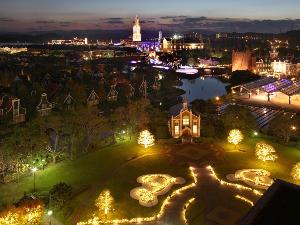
229,16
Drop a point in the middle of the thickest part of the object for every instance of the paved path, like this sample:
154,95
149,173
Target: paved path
53,221
273,105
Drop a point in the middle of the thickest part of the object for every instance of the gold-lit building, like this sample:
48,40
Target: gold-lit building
263,67
177,44
185,125
136,30
243,61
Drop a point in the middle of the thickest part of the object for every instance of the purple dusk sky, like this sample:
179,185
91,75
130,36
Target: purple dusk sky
227,15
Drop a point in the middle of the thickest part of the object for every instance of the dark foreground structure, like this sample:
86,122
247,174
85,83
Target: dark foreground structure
278,206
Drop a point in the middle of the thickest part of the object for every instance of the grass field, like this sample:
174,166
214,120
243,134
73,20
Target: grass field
244,158
117,167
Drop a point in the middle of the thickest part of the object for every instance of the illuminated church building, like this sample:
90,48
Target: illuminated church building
185,125
136,37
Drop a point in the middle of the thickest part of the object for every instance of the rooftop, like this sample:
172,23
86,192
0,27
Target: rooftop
278,206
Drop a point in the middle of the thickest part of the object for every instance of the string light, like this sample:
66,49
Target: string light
146,139
104,201
23,215
152,186
185,207
96,221
235,136
244,199
257,178
265,152
237,186
296,171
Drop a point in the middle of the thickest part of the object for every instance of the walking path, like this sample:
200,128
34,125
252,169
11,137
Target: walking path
52,221
271,104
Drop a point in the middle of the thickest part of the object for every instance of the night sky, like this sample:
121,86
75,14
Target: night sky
214,15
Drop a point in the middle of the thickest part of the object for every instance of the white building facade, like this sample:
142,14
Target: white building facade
136,36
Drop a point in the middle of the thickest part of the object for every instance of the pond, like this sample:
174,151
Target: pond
203,88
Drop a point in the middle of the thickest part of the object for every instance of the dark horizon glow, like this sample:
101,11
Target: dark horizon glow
216,15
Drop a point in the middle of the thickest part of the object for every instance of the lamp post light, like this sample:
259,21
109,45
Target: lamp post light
43,163
34,169
49,214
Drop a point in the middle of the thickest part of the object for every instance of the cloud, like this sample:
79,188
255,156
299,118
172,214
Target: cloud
45,21
172,23
61,23
185,23
148,21
6,20
172,17
114,20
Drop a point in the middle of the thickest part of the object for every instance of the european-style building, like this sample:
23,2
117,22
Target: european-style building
185,125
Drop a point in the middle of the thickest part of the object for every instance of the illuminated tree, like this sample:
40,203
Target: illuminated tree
235,137
146,139
105,202
27,213
296,172
265,152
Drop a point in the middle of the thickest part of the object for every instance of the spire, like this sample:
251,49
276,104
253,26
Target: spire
185,103
136,37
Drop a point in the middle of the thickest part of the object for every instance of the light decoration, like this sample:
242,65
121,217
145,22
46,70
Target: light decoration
237,186
265,152
146,139
152,186
161,67
96,221
104,202
185,207
257,178
296,172
23,215
244,199
187,70
235,137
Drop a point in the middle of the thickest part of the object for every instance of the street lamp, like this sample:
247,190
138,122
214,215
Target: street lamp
33,170
49,214
293,128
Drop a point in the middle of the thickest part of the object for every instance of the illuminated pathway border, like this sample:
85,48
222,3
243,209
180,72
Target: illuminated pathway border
96,221
185,207
238,186
244,199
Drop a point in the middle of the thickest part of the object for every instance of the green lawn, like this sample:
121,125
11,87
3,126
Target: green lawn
117,167
79,173
244,158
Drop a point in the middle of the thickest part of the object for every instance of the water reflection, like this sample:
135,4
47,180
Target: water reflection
207,88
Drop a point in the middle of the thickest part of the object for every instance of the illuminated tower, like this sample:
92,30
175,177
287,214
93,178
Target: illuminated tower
137,37
160,37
